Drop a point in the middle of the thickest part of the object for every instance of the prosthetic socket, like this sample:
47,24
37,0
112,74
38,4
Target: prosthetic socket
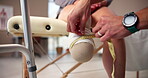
83,48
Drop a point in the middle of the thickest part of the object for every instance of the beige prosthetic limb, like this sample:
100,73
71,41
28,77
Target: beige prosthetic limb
82,50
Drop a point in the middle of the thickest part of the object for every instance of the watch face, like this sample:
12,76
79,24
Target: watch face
129,20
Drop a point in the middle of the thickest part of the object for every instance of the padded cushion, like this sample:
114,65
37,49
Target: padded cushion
55,27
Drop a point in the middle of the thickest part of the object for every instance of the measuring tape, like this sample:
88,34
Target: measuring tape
81,38
112,52
111,49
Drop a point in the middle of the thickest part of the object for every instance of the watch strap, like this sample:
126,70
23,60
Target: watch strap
133,29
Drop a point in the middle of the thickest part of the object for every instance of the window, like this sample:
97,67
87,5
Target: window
52,9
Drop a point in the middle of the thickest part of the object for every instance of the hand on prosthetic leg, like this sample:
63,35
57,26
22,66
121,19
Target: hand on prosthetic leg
82,48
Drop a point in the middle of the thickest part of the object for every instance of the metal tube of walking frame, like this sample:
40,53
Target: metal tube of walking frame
28,35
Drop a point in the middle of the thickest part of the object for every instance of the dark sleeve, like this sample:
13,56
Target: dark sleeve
109,2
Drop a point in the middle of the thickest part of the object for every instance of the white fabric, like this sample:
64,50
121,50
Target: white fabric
137,51
73,36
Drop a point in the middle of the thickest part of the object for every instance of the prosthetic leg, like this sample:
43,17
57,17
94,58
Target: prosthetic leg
82,47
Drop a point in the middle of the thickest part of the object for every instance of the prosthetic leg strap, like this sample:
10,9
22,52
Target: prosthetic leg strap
111,49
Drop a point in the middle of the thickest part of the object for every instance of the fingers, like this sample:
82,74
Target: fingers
68,27
99,25
77,21
100,32
98,35
83,25
101,29
103,37
72,25
75,28
78,26
96,28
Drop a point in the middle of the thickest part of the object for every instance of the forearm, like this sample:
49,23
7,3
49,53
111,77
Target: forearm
143,18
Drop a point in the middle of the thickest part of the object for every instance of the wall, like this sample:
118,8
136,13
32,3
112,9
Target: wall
37,7
122,7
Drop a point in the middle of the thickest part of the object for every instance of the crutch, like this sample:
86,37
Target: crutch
28,36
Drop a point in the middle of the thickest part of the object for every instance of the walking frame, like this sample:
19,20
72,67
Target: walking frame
28,49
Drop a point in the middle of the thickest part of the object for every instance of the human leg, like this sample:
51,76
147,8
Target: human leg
120,58
119,48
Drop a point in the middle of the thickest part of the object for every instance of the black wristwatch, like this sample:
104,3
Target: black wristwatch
130,22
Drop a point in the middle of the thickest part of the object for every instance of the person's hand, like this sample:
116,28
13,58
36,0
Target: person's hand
110,27
78,17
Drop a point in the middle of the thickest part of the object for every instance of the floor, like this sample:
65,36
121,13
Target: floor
12,68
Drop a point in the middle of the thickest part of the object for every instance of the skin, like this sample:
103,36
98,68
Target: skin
112,27
79,15
118,43
119,47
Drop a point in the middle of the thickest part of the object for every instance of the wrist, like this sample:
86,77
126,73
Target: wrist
120,18
142,23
